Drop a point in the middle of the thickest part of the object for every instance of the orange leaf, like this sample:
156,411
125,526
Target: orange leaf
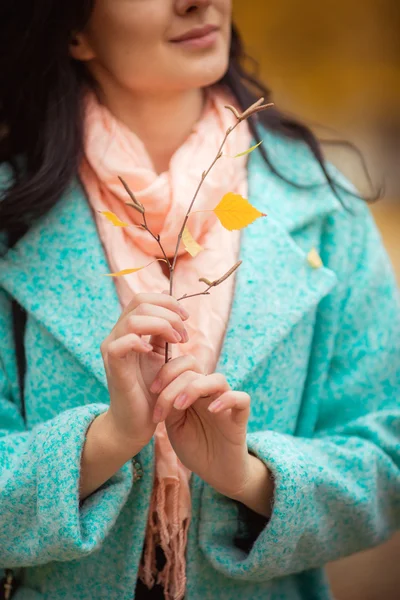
124,272
190,243
110,216
129,271
235,212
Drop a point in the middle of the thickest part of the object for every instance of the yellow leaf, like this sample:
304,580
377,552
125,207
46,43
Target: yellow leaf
249,151
113,218
124,272
130,271
314,259
190,243
235,212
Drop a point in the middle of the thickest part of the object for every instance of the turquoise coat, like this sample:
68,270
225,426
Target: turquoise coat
318,350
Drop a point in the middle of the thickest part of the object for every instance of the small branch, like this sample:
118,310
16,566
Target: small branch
205,293
140,208
253,109
136,204
158,240
240,117
203,177
226,276
212,284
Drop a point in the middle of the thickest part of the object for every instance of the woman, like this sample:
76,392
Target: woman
130,478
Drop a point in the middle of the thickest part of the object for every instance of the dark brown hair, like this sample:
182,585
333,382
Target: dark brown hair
41,104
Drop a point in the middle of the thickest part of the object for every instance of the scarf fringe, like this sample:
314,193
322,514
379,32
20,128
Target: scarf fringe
171,535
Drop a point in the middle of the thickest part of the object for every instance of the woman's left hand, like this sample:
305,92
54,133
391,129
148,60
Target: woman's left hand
207,425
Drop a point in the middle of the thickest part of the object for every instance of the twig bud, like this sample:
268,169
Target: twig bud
206,281
136,204
255,108
234,111
223,278
252,110
228,274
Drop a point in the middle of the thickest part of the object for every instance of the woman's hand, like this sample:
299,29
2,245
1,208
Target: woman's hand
132,363
207,426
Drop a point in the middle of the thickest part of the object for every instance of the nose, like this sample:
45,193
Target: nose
183,7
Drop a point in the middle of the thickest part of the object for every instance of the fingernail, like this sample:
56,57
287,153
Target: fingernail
158,414
185,336
184,313
180,401
156,387
177,336
215,406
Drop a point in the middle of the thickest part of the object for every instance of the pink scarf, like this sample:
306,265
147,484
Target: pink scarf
112,150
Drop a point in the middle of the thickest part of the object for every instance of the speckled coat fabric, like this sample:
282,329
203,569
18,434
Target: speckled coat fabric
318,350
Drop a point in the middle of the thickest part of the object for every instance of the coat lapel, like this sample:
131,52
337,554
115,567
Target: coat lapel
275,286
56,273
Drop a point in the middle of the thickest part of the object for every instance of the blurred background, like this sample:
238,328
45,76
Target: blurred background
335,64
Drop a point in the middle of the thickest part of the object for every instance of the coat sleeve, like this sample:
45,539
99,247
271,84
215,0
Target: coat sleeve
339,491
41,519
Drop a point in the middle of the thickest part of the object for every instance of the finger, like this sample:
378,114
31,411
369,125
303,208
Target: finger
158,343
164,300
151,310
166,399
201,387
172,370
153,326
238,402
119,349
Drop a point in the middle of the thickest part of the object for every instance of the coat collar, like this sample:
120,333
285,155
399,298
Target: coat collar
56,273
275,286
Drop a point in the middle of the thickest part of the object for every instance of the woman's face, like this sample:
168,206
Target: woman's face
134,42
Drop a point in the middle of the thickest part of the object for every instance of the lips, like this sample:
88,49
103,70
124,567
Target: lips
196,33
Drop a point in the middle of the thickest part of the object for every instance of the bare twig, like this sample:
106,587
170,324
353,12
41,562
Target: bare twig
136,204
255,108
140,208
224,277
158,240
212,284
185,296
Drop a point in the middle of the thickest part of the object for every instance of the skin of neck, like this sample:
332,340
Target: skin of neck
162,120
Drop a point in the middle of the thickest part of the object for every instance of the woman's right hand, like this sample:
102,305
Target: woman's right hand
133,354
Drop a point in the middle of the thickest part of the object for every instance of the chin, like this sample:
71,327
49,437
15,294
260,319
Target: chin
206,74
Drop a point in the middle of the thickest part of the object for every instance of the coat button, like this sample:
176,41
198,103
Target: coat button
137,470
